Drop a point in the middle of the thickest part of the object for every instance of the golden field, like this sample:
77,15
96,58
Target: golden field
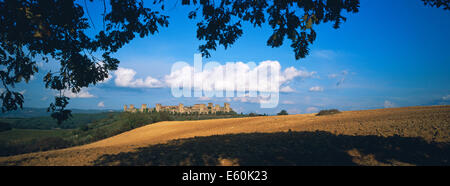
395,136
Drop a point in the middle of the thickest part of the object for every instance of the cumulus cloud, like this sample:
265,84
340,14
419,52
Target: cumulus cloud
84,93
287,102
447,97
287,89
325,54
247,99
388,104
245,77
316,89
204,98
101,104
331,76
291,73
125,78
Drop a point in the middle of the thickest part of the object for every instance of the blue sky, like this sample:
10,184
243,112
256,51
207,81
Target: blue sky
390,54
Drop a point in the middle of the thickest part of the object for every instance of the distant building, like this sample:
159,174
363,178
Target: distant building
180,108
129,109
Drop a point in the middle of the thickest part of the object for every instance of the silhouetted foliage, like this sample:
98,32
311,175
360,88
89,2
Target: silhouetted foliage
328,112
56,31
221,23
283,112
438,3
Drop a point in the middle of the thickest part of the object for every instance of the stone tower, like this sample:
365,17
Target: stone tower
125,108
227,107
180,108
217,108
158,107
143,107
132,109
210,108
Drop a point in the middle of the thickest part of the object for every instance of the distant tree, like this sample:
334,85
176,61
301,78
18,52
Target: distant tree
283,112
57,31
84,127
5,126
328,112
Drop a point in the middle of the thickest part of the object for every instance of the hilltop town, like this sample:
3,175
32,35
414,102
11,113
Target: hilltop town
180,108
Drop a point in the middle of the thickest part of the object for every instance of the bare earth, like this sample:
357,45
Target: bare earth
432,124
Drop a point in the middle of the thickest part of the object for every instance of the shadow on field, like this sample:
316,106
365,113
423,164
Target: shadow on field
287,148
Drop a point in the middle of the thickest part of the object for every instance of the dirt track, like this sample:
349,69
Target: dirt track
430,123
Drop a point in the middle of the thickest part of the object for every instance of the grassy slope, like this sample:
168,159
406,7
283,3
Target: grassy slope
39,133
79,130
30,134
399,136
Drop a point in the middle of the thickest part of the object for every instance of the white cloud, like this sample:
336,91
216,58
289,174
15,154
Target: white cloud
247,99
204,98
331,76
23,92
101,104
125,78
311,109
44,98
287,102
316,89
287,89
325,54
388,104
243,78
291,73
82,94
447,97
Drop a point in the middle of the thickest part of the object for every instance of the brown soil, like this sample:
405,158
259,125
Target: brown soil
432,124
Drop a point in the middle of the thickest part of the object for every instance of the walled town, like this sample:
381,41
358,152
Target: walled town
180,108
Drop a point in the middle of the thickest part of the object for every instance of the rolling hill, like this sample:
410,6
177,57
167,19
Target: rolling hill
395,136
